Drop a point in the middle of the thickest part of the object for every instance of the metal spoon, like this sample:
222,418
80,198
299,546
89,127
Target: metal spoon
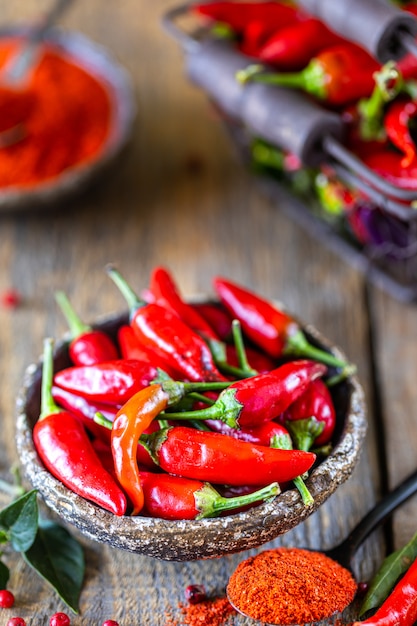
344,552
15,73
17,68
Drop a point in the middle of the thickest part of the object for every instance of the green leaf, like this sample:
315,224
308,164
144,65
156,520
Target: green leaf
394,566
59,559
4,575
20,519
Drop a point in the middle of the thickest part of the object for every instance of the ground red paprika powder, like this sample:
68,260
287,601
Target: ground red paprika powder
290,586
211,612
63,113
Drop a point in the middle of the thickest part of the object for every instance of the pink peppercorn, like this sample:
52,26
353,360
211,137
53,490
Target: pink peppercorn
60,619
195,594
16,621
10,298
6,599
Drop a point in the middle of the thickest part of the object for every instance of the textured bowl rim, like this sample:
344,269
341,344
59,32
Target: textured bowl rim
98,61
187,540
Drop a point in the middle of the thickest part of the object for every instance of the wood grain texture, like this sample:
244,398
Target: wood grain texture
180,197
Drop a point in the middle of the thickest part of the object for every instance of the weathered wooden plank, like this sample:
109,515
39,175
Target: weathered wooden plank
180,198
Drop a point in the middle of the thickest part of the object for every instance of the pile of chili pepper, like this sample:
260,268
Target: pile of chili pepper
59,119
287,46
189,410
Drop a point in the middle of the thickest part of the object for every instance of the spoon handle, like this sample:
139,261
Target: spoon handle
380,512
21,62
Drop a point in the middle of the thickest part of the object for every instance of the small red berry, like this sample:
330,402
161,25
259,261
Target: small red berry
6,599
10,298
110,622
362,589
16,621
195,594
60,619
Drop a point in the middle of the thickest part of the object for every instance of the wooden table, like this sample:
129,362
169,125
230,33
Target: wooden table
182,198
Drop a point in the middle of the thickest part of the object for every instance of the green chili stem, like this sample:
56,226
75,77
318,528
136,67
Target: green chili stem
267,155
310,79
75,324
240,349
48,405
284,442
100,419
202,398
210,503
133,301
306,496
388,83
297,345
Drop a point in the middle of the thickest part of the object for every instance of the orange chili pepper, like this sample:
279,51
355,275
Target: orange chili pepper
129,424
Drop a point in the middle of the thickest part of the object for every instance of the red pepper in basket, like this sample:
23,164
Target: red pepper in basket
174,497
397,121
337,75
267,326
166,293
217,317
292,47
389,165
223,460
400,608
87,346
258,399
311,419
130,348
112,382
85,410
268,434
66,450
165,334
239,15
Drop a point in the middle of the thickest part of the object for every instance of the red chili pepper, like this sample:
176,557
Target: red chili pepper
217,317
220,459
338,75
389,165
253,401
85,410
66,450
292,47
400,608
238,15
130,348
397,120
267,434
270,328
164,333
87,346
166,293
174,497
112,382
311,419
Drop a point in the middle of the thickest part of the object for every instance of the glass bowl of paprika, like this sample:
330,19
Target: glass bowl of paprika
64,123
225,515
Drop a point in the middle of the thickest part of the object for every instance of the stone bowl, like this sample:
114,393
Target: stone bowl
207,538
97,61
